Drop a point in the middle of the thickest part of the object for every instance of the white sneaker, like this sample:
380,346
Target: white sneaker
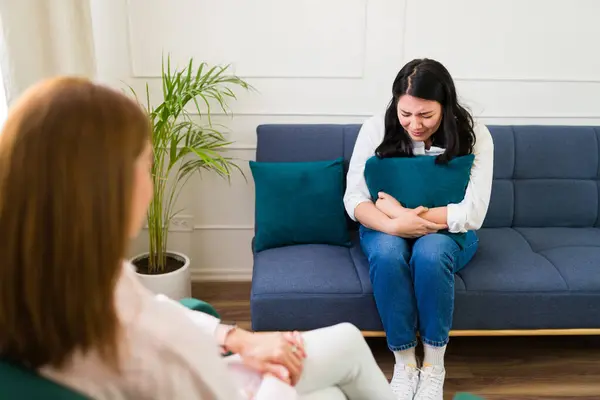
404,382
431,383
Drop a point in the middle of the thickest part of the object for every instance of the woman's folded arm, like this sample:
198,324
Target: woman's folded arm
470,213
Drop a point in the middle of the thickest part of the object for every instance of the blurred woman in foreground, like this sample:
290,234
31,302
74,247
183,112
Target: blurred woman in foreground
75,184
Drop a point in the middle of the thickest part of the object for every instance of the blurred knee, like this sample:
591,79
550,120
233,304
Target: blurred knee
348,329
431,254
427,260
387,251
349,333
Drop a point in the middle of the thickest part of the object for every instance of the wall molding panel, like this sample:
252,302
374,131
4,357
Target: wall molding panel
223,227
274,39
507,41
527,80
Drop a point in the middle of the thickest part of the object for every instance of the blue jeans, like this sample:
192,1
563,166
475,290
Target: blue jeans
413,284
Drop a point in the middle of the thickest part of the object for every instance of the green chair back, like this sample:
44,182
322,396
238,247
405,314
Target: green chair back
17,383
467,396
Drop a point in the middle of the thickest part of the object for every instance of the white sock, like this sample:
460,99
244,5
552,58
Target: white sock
406,357
434,355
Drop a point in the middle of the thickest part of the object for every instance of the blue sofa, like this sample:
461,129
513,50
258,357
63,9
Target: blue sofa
538,264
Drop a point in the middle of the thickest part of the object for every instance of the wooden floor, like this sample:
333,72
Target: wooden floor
511,368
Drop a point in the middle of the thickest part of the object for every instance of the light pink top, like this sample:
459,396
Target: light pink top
169,352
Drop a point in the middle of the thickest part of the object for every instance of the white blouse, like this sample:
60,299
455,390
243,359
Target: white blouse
462,217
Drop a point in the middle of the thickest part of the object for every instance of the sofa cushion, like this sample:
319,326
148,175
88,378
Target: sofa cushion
578,266
305,142
299,203
501,209
541,239
504,151
505,262
555,203
535,260
574,252
306,269
311,286
555,152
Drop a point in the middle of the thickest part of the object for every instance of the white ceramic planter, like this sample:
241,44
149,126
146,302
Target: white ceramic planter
175,285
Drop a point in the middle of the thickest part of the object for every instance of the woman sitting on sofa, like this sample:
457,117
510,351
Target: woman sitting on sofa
75,164
412,266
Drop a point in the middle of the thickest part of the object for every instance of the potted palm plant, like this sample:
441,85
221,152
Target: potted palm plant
184,142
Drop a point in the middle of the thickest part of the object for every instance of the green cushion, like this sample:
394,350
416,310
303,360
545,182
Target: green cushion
17,383
299,203
419,181
466,396
199,305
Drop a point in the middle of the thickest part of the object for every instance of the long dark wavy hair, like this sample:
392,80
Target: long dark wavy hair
430,80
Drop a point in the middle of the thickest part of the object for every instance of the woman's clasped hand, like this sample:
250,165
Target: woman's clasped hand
280,354
405,222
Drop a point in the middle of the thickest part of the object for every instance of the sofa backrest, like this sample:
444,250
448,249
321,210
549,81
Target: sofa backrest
543,175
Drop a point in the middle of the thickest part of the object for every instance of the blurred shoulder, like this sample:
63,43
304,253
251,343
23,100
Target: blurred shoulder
373,128
375,121
483,137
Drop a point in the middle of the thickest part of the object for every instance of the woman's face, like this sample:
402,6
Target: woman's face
420,118
142,189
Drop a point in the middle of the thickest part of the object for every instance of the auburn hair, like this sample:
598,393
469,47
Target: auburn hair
67,155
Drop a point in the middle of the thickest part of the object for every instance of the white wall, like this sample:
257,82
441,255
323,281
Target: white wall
514,62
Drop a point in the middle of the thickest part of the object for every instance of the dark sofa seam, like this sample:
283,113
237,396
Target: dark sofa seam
461,278
362,288
564,247
547,259
476,243
597,176
514,194
598,158
344,143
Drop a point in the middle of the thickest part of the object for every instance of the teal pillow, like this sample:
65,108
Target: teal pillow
419,181
299,203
